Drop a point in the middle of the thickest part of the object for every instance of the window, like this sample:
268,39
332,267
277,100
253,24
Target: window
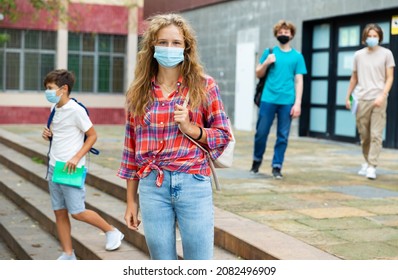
98,62
321,36
319,75
349,36
26,58
12,70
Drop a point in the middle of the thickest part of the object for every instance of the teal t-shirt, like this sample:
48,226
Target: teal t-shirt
279,86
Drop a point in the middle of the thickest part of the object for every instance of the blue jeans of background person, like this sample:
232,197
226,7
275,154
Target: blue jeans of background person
266,116
185,200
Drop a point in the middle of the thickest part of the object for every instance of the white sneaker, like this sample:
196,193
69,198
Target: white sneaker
363,169
371,173
113,239
66,257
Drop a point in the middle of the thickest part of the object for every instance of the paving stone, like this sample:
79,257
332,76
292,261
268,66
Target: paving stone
253,202
362,250
393,242
383,209
298,189
271,215
295,204
241,206
246,187
371,234
336,212
365,191
358,223
319,239
327,197
363,203
290,226
388,220
239,174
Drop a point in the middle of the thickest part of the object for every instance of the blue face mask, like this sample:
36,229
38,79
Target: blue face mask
51,95
372,41
169,57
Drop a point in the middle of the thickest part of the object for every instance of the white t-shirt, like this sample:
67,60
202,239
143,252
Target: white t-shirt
371,70
69,125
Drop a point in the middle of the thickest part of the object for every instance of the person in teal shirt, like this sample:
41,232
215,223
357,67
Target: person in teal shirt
281,96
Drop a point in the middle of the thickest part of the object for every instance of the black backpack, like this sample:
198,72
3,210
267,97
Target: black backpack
260,86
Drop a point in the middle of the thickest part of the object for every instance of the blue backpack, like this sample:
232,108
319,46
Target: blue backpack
49,121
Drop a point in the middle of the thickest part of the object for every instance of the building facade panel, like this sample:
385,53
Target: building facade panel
154,7
91,18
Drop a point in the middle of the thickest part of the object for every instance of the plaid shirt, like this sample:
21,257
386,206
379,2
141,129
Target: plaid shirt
154,141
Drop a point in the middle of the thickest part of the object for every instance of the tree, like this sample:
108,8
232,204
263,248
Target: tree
9,10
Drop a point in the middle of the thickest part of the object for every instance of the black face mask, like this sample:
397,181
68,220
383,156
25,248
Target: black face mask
283,39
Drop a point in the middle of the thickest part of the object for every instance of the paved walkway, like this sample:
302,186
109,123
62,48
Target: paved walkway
321,200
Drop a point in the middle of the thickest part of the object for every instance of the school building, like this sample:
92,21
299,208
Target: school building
99,44
96,39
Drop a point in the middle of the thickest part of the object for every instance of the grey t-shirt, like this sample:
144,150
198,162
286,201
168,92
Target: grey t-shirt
371,68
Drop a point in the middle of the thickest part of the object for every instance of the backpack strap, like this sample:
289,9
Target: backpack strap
50,118
49,121
92,150
212,167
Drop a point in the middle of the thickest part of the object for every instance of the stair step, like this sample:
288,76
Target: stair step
110,208
5,252
24,235
88,241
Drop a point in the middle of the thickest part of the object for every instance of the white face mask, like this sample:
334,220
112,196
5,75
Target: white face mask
51,95
169,57
372,41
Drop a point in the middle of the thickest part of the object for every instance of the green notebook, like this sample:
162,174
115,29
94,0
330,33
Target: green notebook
75,179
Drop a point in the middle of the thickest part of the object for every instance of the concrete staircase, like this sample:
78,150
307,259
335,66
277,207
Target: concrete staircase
27,223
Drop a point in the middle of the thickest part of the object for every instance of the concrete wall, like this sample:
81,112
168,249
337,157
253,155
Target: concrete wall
222,26
152,7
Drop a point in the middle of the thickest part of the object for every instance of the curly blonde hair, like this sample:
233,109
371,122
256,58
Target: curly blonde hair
139,96
283,24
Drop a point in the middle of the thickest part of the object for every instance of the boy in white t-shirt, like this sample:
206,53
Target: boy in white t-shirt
68,128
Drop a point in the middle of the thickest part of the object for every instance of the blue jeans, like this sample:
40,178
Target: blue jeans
266,117
183,199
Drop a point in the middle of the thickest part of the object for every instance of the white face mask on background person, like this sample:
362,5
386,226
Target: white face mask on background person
372,41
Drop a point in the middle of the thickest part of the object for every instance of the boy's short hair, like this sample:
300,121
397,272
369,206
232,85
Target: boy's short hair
372,26
283,24
60,77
